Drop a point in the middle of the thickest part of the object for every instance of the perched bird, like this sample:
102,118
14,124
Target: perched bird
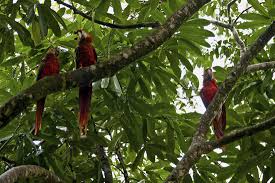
85,56
49,66
207,93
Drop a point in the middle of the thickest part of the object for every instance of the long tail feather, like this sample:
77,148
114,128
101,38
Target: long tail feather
38,117
85,94
219,123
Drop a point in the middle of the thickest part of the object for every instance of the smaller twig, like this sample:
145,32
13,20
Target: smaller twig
114,26
261,66
234,32
103,158
122,164
13,134
238,40
235,21
221,24
121,161
228,10
31,69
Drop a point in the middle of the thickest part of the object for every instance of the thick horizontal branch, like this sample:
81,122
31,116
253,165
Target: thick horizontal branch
28,171
114,26
101,70
261,66
194,152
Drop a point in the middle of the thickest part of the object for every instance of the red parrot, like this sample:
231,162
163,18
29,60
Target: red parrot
49,66
207,93
85,56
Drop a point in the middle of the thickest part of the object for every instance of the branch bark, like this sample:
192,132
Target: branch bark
103,158
114,26
260,66
122,164
108,68
195,151
28,171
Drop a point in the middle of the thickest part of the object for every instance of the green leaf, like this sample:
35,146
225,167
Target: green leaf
145,89
174,63
170,138
116,138
138,159
42,20
58,18
192,47
36,34
254,16
105,82
103,7
252,24
197,22
273,166
12,61
117,87
23,33
117,8
53,24
185,62
257,6
272,12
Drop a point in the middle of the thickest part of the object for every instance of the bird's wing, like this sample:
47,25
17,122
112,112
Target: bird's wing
203,98
77,56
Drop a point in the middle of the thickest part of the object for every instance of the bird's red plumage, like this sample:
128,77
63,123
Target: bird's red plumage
85,56
49,66
207,94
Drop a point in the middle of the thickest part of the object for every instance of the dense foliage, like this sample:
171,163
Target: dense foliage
143,112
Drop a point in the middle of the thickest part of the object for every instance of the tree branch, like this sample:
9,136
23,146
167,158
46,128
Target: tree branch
122,164
234,32
194,152
108,178
247,131
235,135
221,24
235,21
96,72
28,171
120,159
228,10
114,26
261,66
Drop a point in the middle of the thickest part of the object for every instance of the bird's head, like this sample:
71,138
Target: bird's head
83,36
53,51
208,74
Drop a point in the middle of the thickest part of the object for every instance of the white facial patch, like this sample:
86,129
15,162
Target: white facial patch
79,35
84,34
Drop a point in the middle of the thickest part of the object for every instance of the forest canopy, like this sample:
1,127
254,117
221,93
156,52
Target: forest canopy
147,123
